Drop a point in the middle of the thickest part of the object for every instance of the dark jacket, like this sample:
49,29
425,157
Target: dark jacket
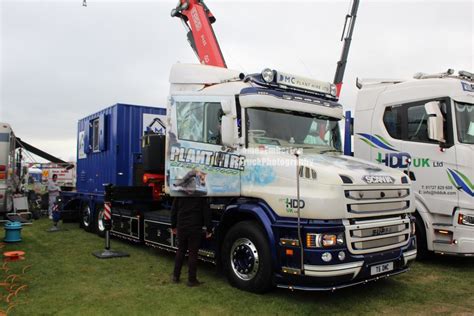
190,213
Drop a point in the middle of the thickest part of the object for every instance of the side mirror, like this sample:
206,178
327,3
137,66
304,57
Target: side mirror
435,121
227,131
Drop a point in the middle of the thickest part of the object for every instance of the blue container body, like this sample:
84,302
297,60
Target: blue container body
109,145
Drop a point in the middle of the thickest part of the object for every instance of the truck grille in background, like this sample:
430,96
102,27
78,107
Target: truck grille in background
366,236
374,201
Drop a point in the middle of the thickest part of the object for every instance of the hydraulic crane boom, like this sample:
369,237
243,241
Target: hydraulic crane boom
341,64
198,19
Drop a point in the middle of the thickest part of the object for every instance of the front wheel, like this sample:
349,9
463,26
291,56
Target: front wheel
421,240
246,258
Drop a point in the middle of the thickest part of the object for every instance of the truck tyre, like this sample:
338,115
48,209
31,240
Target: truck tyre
99,221
421,242
246,258
86,219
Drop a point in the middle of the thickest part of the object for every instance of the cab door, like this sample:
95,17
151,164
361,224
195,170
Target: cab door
429,162
196,163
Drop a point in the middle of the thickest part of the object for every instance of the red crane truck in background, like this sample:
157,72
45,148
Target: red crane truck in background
313,221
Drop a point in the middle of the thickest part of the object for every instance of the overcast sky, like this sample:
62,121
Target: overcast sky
61,61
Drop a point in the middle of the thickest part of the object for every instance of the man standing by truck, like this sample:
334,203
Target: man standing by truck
188,217
53,191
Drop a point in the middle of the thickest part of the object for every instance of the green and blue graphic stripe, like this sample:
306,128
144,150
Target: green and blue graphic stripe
460,181
376,141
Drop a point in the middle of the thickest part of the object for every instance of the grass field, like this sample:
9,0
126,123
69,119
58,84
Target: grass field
64,278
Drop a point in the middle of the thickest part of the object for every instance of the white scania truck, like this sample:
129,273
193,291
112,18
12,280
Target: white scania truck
425,127
310,219
354,222
288,209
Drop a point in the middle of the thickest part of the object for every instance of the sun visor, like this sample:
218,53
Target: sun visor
464,98
290,103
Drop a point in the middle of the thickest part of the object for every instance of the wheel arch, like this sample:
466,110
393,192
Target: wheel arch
247,210
423,213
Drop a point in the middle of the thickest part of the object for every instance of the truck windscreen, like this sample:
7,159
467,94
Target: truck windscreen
314,133
465,122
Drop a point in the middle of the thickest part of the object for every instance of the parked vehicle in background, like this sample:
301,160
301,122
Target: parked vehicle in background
9,181
66,173
425,127
22,179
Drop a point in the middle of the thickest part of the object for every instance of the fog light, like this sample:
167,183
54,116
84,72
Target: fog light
341,255
268,75
326,257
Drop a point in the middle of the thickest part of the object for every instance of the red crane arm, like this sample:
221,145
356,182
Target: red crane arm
198,19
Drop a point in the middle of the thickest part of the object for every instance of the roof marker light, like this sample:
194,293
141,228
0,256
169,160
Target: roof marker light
333,90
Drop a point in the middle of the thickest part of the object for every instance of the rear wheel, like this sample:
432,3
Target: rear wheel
99,220
86,219
246,258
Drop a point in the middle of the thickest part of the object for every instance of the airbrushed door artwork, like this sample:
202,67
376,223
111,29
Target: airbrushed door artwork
196,164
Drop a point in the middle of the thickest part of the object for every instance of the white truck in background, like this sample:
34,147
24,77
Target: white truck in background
66,173
8,181
16,178
425,127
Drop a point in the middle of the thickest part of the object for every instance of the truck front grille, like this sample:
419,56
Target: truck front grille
378,207
365,202
369,235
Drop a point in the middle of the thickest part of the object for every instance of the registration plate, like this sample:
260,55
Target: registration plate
381,268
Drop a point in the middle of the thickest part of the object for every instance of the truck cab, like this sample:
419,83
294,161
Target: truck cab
289,208
425,127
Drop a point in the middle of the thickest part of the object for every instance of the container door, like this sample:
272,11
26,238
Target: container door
102,133
196,163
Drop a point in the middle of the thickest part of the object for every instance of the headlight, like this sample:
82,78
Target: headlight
466,219
268,75
324,240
